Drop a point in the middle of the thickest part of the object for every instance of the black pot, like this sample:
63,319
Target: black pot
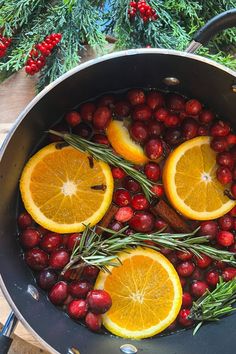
211,83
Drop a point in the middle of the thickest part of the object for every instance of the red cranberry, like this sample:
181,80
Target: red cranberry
153,171
30,238
83,130
161,224
90,273
77,309
220,264
206,116
231,139
189,128
87,110
225,159
154,149
193,107
219,129
101,117
99,301
232,212
107,100
229,273
224,175
164,250
225,238
173,136
51,242
161,114
155,100
183,318
142,112
122,108
58,259
79,289
118,173
42,230
138,132
219,144
232,248
58,293
47,278
198,288
203,262
129,232
140,202
226,222
172,121
24,220
184,255
36,259
93,321
175,102
185,269
122,197
187,300
124,214
182,282
131,184
233,189
172,258
155,128
73,118
208,228
116,225
101,139
158,190
212,278
142,222
73,240
136,97
202,131
197,274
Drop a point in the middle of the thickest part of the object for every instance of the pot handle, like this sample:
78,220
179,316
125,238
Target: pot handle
8,328
218,23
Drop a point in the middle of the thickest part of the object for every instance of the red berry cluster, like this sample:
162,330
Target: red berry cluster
37,56
141,8
4,44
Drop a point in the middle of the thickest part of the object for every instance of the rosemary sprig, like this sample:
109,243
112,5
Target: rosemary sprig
213,305
106,154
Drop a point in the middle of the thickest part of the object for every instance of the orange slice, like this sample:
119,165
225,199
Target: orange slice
122,143
190,182
146,294
57,189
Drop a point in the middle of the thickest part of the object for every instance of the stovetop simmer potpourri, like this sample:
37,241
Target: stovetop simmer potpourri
130,214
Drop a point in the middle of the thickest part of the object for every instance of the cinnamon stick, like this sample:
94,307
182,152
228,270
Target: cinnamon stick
107,218
174,220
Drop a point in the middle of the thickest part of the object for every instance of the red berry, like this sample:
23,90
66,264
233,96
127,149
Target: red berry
118,173
225,159
231,139
87,110
184,255
161,224
73,240
116,225
131,184
47,278
142,112
73,118
158,190
154,148
233,190
136,97
212,278
220,129
226,222
122,197
83,130
30,238
193,107
93,321
172,121
122,108
220,264
175,102
197,274
36,259
219,144
153,171
224,175
90,272
101,139
173,136
229,273
142,222
183,318
51,242
206,116
101,117
155,100
202,130
24,220
99,301
139,132
58,259
232,212
189,128
140,202
58,293
185,269
225,238
203,262
155,128
208,228
161,114
107,100
198,288
187,300
124,214
172,258
77,309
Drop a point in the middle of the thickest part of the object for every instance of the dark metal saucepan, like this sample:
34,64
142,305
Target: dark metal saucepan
186,73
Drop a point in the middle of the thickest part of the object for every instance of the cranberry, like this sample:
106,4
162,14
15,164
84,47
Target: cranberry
24,220
183,318
231,139
233,190
161,224
58,293
42,230
36,259
184,255
142,222
101,139
87,110
219,129
99,301
47,278
107,100
77,309
30,238
161,114
193,107
164,250
198,288
208,228
136,97
225,238
131,184
182,282
224,175
172,121
93,321
124,214
90,272
219,144
118,173
229,273
175,102
158,190
122,197
197,274
203,262
129,232
202,130
58,259
79,289
173,136
73,240
122,108
185,269
212,278
187,300
220,264
225,159
101,117
83,130
73,118
172,258
138,132
226,222
153,171
155,128
154,149
233,212
206,116
155,100
189,128
140,202
116,225
142,112
51,241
